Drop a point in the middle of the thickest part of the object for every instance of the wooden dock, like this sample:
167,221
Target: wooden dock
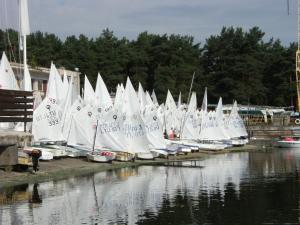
184,164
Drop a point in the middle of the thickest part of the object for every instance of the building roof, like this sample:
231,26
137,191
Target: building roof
40,73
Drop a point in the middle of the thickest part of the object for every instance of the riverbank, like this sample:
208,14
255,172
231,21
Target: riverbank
70,167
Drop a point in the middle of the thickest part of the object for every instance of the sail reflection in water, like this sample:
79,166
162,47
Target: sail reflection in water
240,188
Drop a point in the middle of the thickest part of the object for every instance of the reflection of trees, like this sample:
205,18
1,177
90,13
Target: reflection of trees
256,203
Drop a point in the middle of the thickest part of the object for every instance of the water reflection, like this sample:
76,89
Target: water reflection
240,188
35,198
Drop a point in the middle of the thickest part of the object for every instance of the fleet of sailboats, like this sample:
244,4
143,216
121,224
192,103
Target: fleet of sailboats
132,125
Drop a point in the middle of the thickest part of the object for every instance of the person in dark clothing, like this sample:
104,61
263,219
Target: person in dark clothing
35,155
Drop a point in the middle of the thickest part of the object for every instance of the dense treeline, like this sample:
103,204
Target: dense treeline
234,64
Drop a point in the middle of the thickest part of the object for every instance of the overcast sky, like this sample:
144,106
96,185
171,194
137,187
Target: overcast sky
199,18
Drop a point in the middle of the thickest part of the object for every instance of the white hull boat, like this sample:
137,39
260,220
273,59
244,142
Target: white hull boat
185,146
46,155
185,150
159,152
74,152
211,146
58,151
145,155
101,156
288,144
237,142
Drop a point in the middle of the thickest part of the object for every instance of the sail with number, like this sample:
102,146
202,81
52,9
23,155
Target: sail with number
46,125
133,125
83,127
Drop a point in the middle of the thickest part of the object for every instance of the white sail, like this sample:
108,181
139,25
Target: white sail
7,77
110,122
46,125
24,19
133,126
110,131
83,127
154,99
220,120
68,118
37,100
235,124
161,116
89,94
171,114
204,102
141,97
207,126
190,126
69,106
118,101
102,96
148,99
153,128
210,128
179,100
55,86
65,84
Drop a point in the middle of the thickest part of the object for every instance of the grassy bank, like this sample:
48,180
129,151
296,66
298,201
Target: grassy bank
70,167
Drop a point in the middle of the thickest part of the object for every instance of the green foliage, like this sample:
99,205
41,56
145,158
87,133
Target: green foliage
234,64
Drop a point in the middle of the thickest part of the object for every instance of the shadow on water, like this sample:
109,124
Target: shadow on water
20,193
35,197
235,188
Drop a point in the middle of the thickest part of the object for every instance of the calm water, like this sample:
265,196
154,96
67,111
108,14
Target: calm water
235,188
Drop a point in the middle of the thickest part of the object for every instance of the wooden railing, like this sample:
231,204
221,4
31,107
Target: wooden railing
16,106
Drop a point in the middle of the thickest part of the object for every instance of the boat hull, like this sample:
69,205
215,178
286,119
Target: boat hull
46,155
101,157
124,156
144,155
288,144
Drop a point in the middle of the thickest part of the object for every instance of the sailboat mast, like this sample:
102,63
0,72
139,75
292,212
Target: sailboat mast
95,136
24,31
24,52
298,61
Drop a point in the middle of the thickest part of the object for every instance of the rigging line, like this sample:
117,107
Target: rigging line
7,33
95,196
183,120
20,42
3,26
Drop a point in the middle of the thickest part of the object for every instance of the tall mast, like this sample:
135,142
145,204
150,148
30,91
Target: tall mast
24,52
24,31
298,61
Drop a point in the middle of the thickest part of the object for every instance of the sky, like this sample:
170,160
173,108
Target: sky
128,18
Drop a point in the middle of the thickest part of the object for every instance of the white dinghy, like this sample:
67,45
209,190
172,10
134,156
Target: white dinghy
133,125
236,128
109,133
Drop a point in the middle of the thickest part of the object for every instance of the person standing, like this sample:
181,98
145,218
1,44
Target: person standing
35,155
